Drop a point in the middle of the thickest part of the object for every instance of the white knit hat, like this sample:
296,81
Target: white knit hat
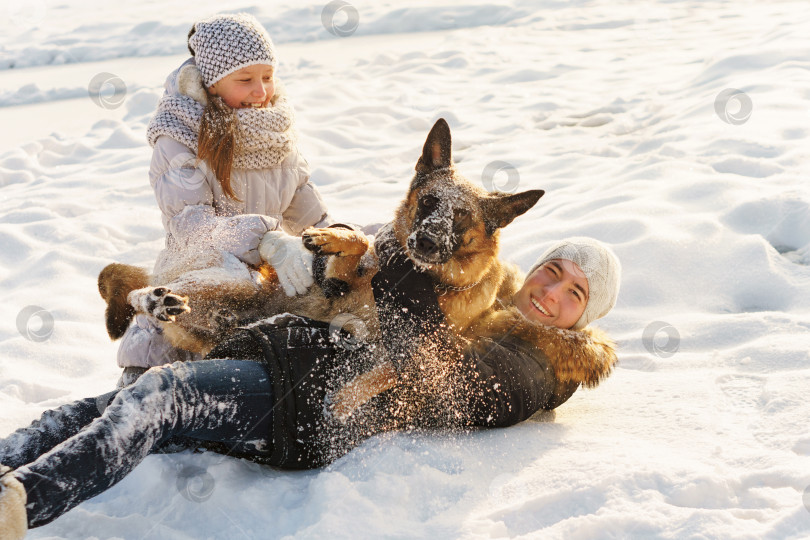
600,266
222,44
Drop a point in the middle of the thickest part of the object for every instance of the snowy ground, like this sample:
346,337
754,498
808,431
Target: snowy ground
611,108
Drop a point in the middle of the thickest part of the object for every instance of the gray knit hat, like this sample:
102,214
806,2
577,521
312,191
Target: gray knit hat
601,268
222,44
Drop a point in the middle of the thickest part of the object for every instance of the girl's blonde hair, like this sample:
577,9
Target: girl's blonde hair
217,139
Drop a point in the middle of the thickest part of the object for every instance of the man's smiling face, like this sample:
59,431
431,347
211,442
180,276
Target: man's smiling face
555,294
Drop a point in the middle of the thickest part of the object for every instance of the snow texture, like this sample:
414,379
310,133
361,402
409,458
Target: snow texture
620,111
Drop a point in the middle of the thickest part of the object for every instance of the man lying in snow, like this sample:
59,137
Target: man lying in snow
265,393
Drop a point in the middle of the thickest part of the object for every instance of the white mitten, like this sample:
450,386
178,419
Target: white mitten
290,259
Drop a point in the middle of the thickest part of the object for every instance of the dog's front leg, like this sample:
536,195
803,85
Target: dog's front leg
361,389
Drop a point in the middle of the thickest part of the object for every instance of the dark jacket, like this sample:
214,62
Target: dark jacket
494,381
504,383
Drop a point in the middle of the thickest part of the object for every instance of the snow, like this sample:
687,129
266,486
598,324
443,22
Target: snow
610,107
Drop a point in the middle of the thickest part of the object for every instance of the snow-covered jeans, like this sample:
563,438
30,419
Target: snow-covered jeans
81,449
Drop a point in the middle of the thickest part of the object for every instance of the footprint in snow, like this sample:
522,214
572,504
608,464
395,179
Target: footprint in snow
741,393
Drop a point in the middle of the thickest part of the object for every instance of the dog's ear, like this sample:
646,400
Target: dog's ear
500,208
436,154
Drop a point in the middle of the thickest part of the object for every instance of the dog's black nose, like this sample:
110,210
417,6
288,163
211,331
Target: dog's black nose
425,244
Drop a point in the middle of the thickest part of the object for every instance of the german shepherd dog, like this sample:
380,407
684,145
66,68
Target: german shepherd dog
447,225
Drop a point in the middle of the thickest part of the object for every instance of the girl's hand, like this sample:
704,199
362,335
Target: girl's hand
290,259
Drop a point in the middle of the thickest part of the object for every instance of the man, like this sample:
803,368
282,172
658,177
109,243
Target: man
76,452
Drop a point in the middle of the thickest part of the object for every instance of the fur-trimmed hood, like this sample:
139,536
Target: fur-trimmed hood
586,356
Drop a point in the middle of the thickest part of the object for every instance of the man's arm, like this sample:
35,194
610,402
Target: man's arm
507,381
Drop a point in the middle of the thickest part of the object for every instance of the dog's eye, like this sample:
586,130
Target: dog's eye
429,201
462,213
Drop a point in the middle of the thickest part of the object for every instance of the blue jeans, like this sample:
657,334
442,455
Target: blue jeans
81,449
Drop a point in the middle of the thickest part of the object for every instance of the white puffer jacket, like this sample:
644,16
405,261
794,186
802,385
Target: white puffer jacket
276,197
194,207
193,203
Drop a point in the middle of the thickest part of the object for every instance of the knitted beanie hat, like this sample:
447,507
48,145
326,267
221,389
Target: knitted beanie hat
222,44
601,268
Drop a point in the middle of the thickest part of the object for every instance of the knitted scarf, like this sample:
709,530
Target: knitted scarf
264,138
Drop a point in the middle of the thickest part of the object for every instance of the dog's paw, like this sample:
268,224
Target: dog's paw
340,242
339,406
159,303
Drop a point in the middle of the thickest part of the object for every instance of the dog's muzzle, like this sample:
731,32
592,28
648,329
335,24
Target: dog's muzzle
427,248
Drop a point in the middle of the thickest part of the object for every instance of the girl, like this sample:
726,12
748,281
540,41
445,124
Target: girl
275,409
225,168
